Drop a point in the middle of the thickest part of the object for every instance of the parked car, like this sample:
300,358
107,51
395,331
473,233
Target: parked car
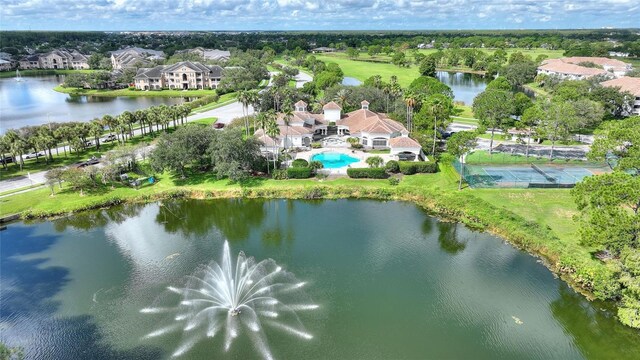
92,161
7,160
33,155
110,138
218,125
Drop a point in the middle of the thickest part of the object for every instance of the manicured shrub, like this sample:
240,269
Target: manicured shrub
392,167
280,175
415,167
298,163
316,145
366,173
357,146
393,181
299,172
316,165
374,161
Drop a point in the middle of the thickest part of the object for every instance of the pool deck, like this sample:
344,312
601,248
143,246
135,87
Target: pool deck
358,154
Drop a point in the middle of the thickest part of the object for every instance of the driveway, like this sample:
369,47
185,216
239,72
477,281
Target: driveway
224,113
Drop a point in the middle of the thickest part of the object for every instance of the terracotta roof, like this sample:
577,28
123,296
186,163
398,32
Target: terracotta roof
267,140
300,103
558,66
368,121
625,83
602,61
404,142
364,102
331,106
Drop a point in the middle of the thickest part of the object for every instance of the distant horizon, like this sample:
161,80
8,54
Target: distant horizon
320,31
313,15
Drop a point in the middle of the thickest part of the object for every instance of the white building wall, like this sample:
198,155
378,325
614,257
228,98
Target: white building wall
332,115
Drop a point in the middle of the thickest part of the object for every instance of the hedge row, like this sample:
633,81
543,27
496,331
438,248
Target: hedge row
367,173
415,167
299,172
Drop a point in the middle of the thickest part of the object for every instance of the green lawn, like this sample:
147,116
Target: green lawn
129,92
363,70
222,101
205,121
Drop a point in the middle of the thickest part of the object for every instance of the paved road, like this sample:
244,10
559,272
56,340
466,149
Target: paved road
22,181
302,78
224,113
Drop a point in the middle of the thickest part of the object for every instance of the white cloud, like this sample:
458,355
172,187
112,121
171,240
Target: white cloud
307,14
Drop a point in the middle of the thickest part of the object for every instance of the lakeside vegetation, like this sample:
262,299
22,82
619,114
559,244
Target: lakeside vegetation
30,72
134,92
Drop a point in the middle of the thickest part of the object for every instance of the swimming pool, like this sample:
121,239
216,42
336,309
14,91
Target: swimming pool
332,160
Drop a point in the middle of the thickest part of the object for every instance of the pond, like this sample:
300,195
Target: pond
349,81
33,101
390,282
465,86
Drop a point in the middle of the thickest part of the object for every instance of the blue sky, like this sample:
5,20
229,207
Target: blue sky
315,15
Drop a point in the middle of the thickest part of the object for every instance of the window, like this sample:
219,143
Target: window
365,141
379,142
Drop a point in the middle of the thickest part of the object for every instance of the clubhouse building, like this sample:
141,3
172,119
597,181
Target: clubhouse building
372,130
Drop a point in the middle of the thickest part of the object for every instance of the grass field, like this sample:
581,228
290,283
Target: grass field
205,121
363,70
128,92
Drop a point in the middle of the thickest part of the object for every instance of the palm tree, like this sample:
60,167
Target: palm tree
411,100
287,116
109,121
127,118
140,117
96,130
341,97
63,133
262,122
150,118
273,130
438,105
17,145
243,99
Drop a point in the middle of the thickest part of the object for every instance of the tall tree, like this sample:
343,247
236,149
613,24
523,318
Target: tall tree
558,123
618,142
458,145
494,109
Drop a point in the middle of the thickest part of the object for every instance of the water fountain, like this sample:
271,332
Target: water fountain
235,300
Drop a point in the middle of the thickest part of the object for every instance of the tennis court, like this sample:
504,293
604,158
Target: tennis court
527,175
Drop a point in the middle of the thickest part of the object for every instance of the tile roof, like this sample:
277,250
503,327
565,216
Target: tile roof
625,83
404,142
331,106
558,66
368,121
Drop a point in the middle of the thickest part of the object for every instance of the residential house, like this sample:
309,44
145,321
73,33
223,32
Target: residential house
572,68
56,59
183,75
373,130
209,54
5,65
323,49
133,56
628,84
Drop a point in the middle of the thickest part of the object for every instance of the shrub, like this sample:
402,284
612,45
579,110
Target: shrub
316,165
392,167
374,161
393,181
280,175
415,167
316,145
299,172
299,163
366,173
357,146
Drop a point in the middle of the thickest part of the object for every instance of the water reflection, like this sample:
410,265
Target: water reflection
448,238
594,327
465,86
234,218
33,102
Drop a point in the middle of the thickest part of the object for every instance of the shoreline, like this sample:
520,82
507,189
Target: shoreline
135,93
462,207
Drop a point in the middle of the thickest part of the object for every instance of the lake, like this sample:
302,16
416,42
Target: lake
391,282
33,101
465,86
